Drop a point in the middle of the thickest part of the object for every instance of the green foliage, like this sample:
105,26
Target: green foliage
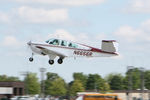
52,76
109,77
95,82
91,81
147,79
57,87
47,85
75,87
134,74
81,77
8,78
116,82
32,86
125,83
48,82
105,88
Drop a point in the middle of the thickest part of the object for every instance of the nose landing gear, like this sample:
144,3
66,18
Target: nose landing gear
31,58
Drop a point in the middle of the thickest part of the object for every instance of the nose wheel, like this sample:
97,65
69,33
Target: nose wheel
51,62
31,59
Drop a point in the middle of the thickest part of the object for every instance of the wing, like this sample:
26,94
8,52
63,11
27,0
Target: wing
51,53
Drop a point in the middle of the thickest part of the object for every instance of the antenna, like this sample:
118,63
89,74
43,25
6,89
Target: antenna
42,70
129,92
25,74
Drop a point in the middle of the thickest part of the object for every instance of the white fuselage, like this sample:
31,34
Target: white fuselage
62,49
68,52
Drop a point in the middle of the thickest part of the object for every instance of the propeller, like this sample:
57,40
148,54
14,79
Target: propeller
28,47
29,43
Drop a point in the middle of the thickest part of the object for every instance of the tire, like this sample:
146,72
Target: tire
51,62
31,59
60,61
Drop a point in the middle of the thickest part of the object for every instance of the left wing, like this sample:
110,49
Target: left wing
50,53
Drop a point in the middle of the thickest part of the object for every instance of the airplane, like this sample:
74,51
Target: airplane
62,48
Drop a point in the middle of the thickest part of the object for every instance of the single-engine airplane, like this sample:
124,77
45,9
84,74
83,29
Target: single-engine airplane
62,48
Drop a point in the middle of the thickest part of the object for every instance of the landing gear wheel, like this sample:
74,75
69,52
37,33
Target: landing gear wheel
31,59
60,61
51,62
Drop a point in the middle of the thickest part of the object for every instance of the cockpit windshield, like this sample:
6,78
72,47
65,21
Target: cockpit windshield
53,41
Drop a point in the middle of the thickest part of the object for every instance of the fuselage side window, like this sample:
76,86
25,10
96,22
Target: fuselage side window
63,43
72,45
75,46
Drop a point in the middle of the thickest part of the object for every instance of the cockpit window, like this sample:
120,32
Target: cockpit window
47,41
61,43
53,41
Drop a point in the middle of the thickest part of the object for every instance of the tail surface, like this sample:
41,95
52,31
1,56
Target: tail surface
109,46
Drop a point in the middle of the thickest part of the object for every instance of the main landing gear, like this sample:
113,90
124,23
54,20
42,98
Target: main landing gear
51,62
60,61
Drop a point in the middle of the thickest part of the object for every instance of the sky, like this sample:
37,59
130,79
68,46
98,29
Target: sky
83,21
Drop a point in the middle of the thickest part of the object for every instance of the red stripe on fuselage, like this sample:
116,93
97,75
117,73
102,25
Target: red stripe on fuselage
99,50
92,49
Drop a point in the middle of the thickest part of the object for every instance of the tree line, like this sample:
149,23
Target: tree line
55,85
